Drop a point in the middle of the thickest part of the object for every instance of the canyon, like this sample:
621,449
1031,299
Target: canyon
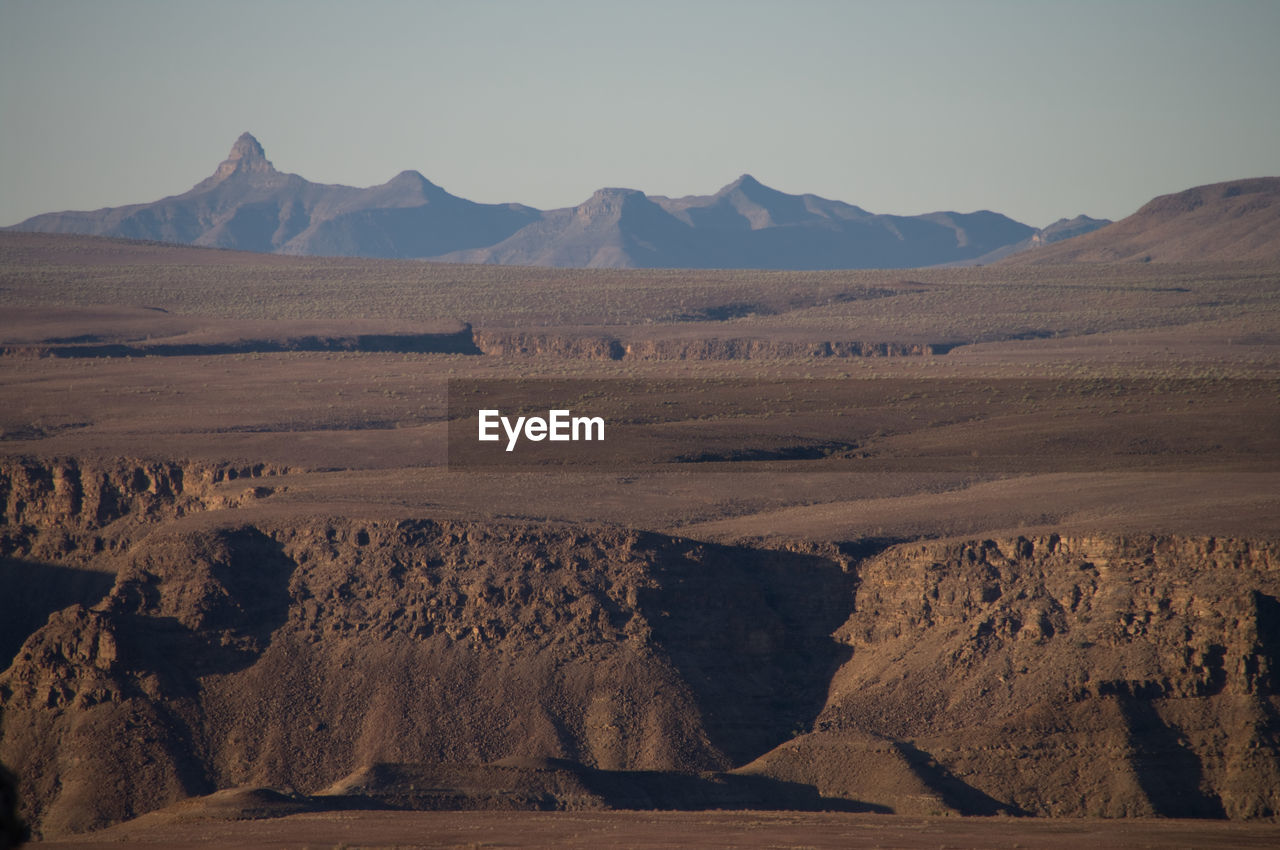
994,547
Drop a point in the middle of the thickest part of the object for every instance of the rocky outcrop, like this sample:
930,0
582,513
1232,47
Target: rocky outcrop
496,342
1075,676
589,347
524,344
89,494
757,349
67,510
1051,676
247,158
293,655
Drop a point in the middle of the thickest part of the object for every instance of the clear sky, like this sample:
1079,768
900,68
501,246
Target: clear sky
1034,109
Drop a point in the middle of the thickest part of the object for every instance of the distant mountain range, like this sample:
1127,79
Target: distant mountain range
1063,228
248,205
1237,220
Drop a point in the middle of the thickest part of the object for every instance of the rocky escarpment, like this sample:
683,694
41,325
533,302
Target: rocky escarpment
293,655
603,347
566,344
1056,676
56,509
66,522
1077,677
458,342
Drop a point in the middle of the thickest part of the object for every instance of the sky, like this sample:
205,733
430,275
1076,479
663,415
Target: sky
1035,109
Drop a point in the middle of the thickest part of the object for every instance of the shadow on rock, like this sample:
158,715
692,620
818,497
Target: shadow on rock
750,632
685,792
955,793
203,604
1169,771
34,590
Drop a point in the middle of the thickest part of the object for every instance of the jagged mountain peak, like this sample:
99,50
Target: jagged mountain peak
247,157
247,148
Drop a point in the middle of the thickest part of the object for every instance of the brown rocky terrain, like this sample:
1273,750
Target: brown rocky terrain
570,343
1013,558
1050,676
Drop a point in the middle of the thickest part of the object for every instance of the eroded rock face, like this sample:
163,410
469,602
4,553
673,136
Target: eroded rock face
246,157
69,494
588,347
294,655
59,510
1158,617
1076,676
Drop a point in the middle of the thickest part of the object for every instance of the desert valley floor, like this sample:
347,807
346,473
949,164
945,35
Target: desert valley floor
888,549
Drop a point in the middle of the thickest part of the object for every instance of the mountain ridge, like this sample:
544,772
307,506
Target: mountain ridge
1232,220
248,204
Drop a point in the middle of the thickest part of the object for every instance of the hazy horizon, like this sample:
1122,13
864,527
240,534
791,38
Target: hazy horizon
1036,111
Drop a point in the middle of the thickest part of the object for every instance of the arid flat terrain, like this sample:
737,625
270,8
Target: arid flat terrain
862,553
712,829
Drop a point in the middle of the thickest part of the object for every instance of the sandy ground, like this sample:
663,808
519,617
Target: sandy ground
674,830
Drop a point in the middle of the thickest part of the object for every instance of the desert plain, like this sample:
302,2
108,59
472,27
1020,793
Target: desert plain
982,556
